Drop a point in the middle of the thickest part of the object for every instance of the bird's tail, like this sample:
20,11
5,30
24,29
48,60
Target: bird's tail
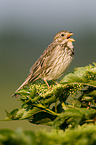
25,83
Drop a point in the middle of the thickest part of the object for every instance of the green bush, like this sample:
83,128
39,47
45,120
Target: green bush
85,135
70,103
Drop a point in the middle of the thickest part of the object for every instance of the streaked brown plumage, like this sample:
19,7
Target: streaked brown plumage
54,61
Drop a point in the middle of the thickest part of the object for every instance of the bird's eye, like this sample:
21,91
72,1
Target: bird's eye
62,35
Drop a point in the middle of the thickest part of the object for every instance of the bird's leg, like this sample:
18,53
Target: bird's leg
55,82
88,105
47,83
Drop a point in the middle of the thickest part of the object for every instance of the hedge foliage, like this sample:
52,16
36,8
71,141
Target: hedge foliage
70,103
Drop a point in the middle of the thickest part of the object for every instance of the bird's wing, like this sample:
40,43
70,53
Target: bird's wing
42,63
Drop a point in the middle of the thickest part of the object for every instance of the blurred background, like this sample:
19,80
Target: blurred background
26,29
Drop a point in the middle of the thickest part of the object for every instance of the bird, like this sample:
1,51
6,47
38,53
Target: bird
54,61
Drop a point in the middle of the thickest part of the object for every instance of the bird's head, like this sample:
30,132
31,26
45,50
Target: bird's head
63,37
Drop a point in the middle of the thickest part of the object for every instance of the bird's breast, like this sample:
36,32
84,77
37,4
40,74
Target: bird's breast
58,62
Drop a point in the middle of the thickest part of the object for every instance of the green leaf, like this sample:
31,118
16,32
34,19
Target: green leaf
84,75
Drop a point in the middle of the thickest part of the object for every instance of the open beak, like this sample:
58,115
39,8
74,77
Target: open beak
69,35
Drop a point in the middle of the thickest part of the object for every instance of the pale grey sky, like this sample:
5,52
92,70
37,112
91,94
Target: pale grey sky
47,13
